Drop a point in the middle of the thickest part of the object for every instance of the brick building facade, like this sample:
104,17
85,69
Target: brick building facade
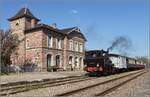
46,45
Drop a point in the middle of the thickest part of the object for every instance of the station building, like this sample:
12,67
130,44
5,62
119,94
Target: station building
46,46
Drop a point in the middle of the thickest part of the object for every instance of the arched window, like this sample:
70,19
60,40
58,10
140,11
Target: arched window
80,62
70,60
58,61
49,60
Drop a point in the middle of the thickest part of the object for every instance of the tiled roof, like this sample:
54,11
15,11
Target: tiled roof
66,31
41,25
24,12
72,31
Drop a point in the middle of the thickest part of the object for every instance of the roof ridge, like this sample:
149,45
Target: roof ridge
23,12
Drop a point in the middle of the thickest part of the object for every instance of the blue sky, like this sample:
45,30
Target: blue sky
99,20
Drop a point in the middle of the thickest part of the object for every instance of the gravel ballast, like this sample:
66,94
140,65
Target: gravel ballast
139,87
51,91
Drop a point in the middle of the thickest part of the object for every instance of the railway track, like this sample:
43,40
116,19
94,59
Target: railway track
103,91
7,89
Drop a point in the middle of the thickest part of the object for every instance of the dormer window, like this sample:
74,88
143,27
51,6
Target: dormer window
78,30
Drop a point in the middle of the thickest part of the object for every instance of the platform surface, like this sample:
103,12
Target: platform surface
31,76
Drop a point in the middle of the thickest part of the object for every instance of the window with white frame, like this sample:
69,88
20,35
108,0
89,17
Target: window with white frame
81,48
58,43
76,46
73,49
49,40
71,45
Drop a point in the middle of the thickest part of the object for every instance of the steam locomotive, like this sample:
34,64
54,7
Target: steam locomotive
100,62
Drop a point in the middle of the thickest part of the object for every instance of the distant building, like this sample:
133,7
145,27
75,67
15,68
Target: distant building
46,45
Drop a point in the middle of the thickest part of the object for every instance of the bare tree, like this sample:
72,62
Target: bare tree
143,59
9,42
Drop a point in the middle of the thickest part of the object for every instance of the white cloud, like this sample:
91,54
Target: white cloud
74,11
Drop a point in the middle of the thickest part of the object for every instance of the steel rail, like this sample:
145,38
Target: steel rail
41,85
92,86
34,83
103,93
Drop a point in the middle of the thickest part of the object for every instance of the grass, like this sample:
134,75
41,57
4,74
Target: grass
6,73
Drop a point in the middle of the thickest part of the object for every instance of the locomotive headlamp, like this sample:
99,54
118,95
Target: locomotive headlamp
97,65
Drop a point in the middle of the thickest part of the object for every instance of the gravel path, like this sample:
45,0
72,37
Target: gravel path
140,87
37,76
50,91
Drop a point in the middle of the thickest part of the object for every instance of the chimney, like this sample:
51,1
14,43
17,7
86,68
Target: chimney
33,23
53,25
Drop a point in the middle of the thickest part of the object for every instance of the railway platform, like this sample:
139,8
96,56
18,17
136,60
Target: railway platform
76,85
33,76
